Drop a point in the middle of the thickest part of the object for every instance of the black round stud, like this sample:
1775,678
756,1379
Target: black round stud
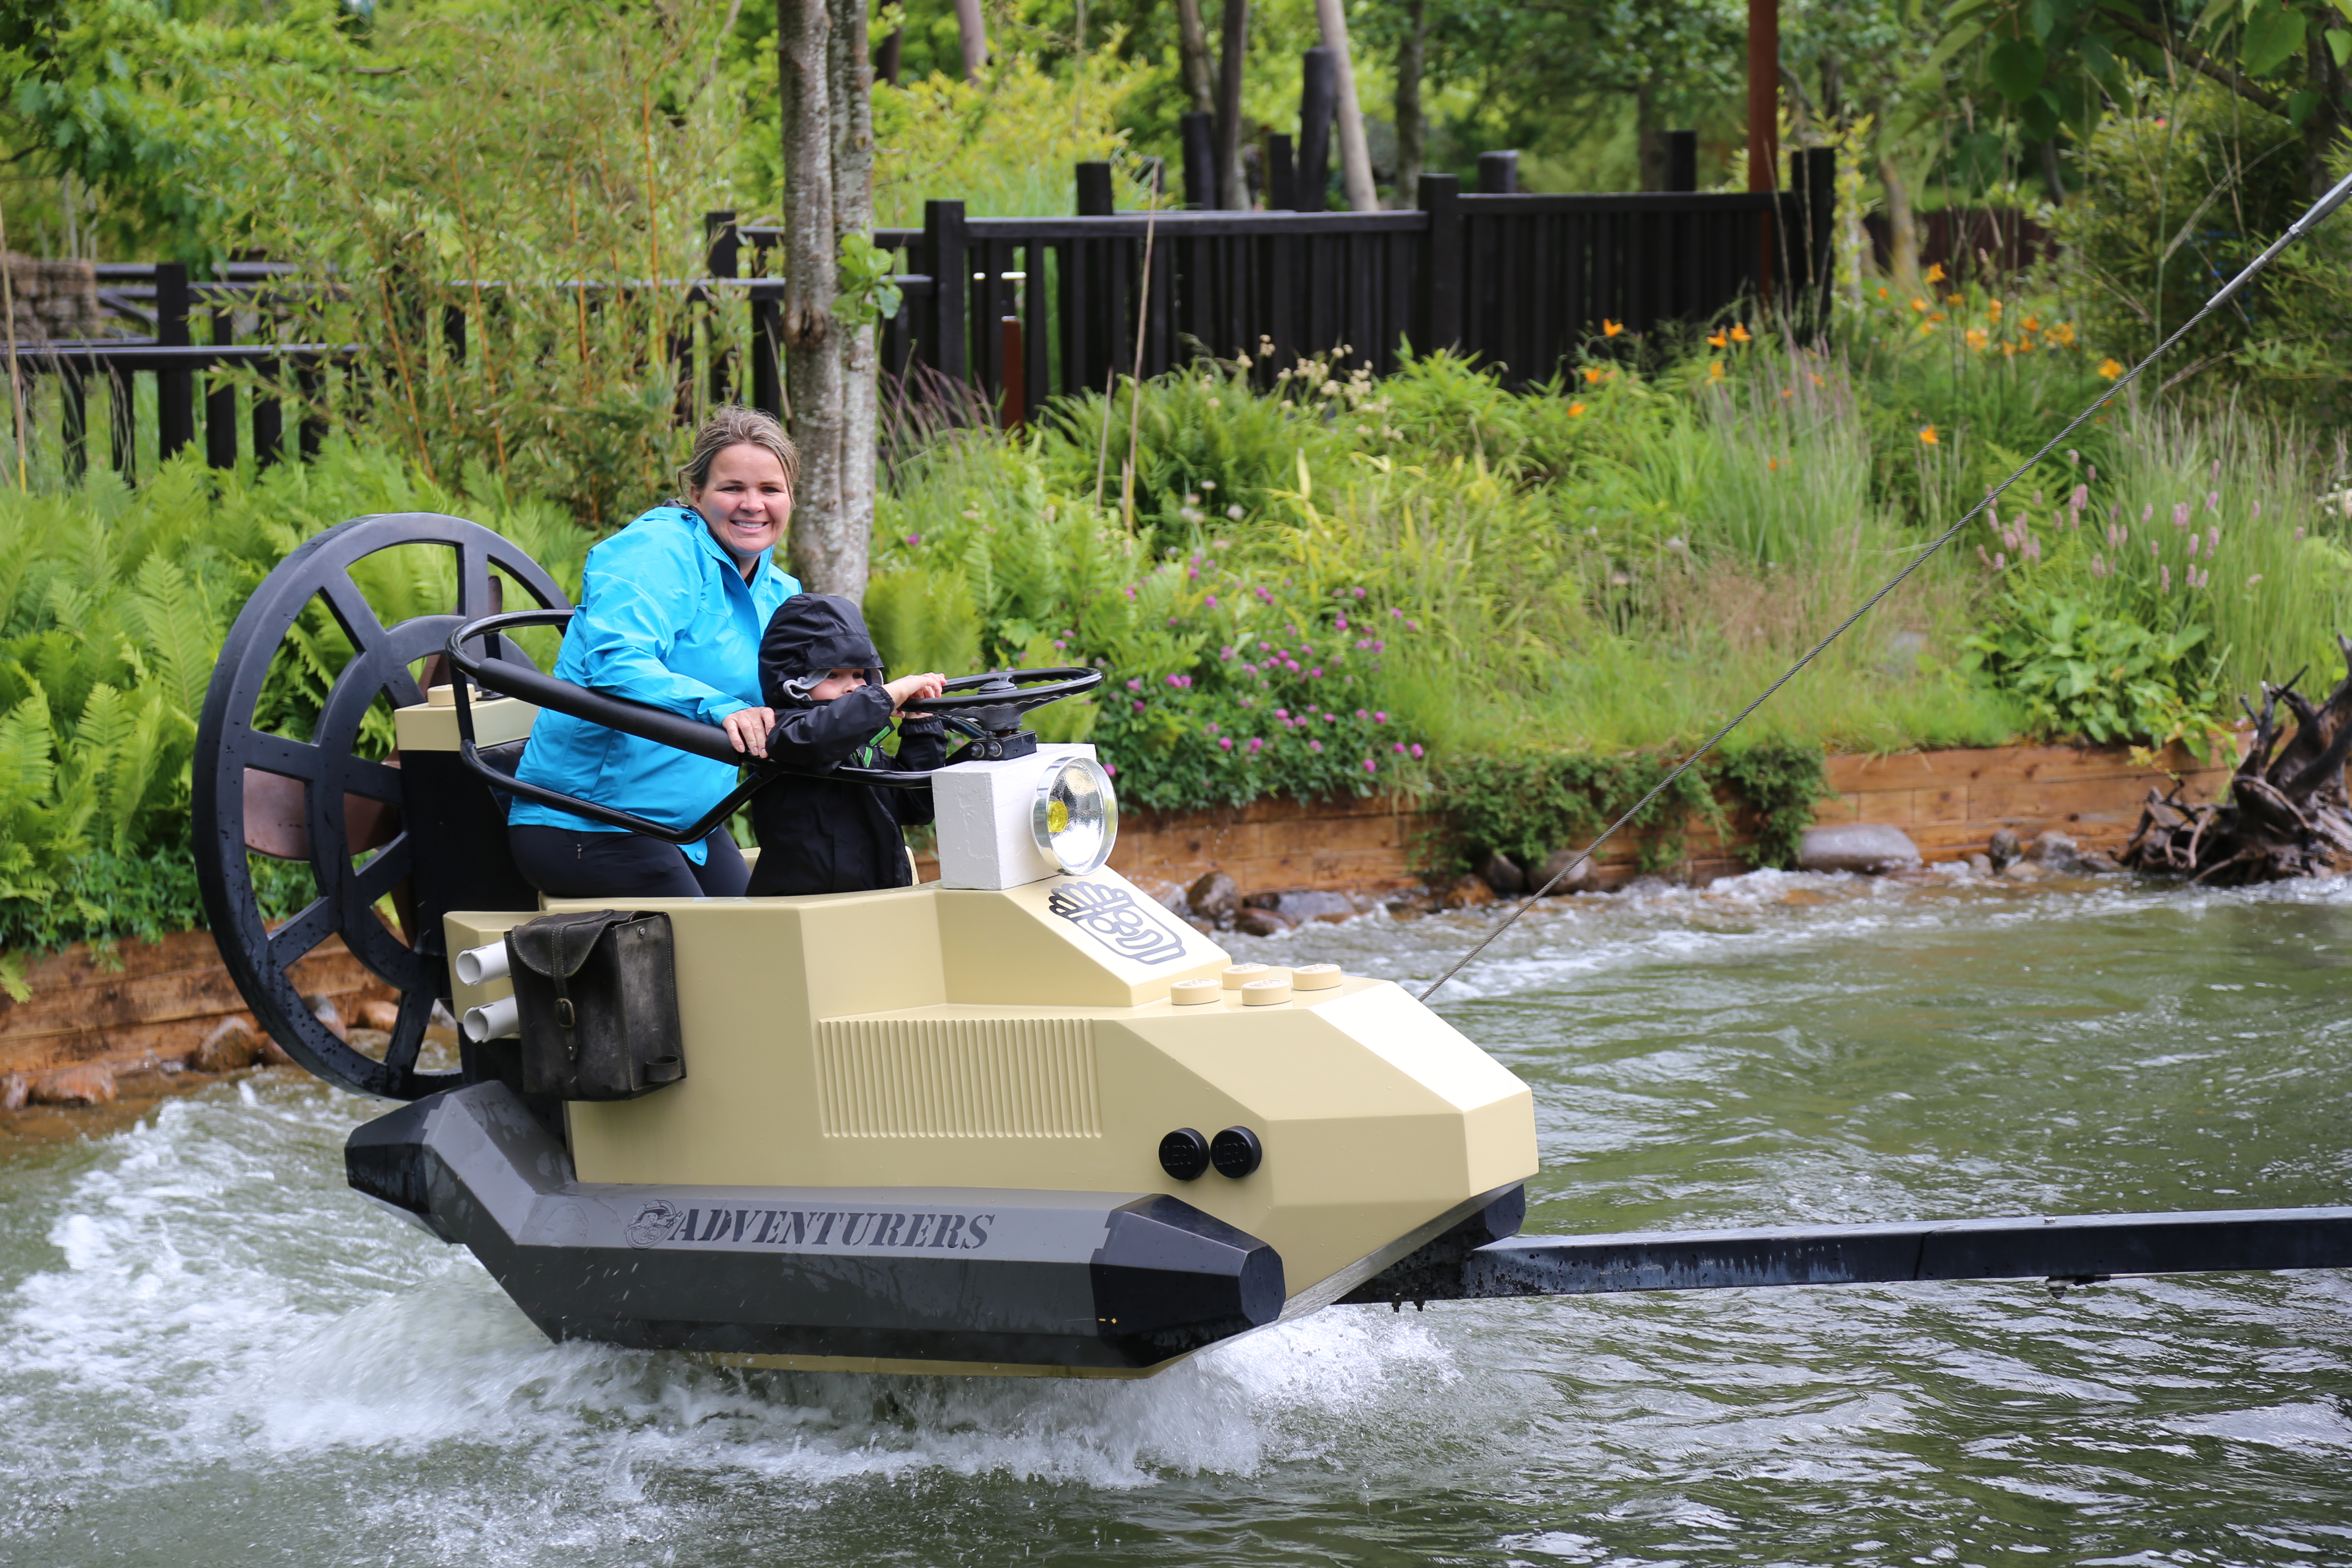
1184,1154
1236,1153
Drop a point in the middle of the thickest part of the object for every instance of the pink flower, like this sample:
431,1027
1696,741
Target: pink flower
1416,748
1314,745
1111,768
2165,574
1370,766
1136,685
1282,714
1256,745
2180,514
1380,716
1138,708
1227,653
2213,499
2080,499
2258,510
1359,593
1213,601
1397,748
1395,614
1342,624
1314,673
913,540
2001,561
1224,742
2213,539
1361,715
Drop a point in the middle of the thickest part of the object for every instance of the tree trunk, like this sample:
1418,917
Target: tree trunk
1902,229
1412,132
1355,155
853,209
1192,47
972,32
2323,132
2286,814
821,548
1649,137
1233,190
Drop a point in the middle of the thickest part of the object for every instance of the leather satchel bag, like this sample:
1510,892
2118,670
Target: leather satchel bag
596,996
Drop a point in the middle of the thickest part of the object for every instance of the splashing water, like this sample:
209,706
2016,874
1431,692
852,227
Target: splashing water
211,1351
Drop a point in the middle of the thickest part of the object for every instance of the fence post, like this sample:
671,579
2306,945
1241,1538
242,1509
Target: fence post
722,258
946,243
1440,275
72,391
220,399
1096,196
1281,174
1197,132
175,390
1682,160
1498,173
1319,102
1820,203
767,334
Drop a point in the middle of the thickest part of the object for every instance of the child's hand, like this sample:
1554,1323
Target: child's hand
915,689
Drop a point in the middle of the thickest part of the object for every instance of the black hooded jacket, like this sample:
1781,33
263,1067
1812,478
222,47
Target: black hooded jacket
823,836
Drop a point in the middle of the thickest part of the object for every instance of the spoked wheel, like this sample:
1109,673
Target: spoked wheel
350,806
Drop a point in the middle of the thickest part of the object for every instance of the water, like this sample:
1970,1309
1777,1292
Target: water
210,1353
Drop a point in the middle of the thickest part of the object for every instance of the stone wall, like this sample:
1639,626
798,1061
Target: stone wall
53,299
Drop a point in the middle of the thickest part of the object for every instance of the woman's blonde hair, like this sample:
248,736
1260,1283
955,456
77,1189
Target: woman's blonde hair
736,426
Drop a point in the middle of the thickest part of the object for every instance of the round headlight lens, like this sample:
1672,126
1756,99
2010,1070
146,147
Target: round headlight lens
1076,817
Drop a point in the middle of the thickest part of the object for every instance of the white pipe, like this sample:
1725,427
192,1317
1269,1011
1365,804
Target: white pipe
478,964
496,1021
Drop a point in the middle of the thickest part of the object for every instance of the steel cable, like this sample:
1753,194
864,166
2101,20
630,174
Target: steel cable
2296,231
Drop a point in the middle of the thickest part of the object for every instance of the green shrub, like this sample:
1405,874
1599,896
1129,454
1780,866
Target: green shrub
2101,676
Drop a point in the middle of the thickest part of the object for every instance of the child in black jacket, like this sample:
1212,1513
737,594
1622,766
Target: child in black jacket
820,672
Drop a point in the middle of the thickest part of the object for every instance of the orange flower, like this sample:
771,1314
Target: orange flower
1576,410
1715,370
1882,291
1919,305
1935,273
2032,323
1715,340
1788,392
1771,465
1992,308
1927,438
1594,377
1610,329
2110,369
1956,301
2063,334
1739,332
1976,338
1817,380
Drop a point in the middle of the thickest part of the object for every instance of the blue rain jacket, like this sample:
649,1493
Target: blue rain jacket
665,618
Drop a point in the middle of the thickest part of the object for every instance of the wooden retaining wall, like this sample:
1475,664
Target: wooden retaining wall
1950,802
148,1004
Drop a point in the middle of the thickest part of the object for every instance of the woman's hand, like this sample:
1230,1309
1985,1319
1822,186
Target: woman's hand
915,689
748,727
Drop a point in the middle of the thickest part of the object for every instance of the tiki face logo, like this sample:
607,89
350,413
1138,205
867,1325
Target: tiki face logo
654,1222
1116,921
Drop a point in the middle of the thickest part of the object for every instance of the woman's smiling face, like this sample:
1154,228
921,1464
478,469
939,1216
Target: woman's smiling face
745,502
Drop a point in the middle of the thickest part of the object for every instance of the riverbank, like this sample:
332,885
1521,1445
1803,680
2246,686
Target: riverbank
146,1010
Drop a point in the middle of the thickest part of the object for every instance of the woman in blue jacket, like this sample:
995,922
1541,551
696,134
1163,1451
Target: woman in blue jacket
671,612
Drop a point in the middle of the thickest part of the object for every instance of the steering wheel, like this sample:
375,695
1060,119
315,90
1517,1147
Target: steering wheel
991,705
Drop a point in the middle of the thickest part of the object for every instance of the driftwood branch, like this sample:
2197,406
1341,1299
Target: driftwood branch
2286,812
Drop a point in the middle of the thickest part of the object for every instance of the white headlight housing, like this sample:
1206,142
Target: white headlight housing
1074,819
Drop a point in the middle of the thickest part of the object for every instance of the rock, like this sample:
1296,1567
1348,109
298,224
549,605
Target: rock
1466,894
1980,864
2003,850
1419,902
1214,897
1260,922
1302,905
273,1055
2024,871
1583,879
322,1007
232,1044
15,1089
2097,862
2057,850
1866,846
384,1015
1501,873
91,1083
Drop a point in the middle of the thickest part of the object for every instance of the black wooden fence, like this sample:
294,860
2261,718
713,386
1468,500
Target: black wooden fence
1028,308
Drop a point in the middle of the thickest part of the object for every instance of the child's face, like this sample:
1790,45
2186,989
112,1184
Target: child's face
836,683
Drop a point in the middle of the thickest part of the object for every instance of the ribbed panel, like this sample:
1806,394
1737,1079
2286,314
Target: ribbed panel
956,1077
